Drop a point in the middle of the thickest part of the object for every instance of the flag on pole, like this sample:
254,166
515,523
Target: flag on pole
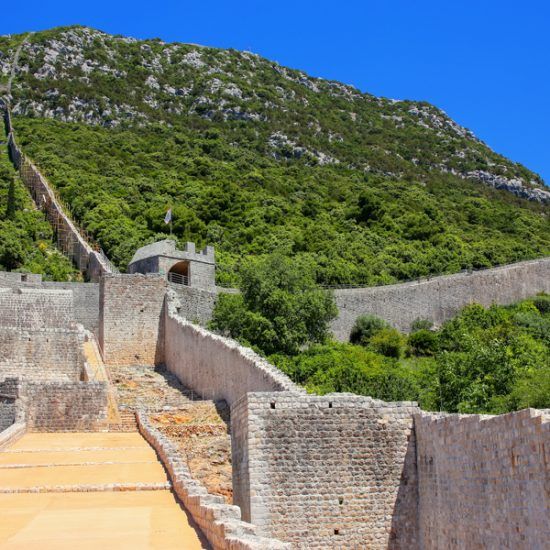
168,217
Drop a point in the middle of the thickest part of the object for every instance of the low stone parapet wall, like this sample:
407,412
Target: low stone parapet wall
11,434
214,366
220,522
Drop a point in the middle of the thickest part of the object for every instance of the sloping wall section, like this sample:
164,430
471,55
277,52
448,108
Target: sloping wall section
89,261
213,366
440,298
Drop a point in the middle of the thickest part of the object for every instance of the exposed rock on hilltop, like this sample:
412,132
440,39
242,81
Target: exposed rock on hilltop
79,74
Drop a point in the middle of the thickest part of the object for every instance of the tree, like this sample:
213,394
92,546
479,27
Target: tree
280,310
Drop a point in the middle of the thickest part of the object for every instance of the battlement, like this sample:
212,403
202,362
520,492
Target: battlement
187,267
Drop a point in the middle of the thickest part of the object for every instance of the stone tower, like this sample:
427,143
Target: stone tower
185,267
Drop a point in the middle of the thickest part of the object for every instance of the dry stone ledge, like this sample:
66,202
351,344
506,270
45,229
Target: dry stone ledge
11,434
221,523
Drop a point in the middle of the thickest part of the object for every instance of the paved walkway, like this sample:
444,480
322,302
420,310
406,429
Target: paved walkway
88,490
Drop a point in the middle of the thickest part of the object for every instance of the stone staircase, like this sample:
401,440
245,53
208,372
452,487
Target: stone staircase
127,422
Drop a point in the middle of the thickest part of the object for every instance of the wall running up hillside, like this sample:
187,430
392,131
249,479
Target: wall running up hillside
90,262
440,298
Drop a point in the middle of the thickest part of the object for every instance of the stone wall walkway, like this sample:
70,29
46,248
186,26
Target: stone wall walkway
89,490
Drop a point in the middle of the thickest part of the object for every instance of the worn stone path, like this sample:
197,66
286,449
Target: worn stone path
199,428
89,490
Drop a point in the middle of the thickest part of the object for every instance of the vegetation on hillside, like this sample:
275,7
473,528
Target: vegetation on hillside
26,238
257,159
351,226
485,360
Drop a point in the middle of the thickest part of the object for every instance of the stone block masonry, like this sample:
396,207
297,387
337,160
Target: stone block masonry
54,405
196,305
440,298
35,309
213,366
220,522
66,406
131,314
484,481
85,295
337,471
38,337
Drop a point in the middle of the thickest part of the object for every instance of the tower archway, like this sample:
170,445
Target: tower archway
179,273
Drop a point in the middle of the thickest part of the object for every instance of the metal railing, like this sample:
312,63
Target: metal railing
178,279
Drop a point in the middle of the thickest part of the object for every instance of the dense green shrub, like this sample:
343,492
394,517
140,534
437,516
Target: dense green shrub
422,342
350,368
388,342
542,303
365,327
485,360
280,310
421,324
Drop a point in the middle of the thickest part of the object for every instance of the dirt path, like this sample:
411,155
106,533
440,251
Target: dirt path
200,428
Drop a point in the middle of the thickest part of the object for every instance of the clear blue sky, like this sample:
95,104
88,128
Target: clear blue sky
485,62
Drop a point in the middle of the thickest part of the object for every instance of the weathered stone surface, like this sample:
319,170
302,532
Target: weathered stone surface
216,367
38,337
440,298
483,481
337,471
131,318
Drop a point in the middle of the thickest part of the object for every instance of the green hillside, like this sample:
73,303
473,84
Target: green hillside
26,238
255,158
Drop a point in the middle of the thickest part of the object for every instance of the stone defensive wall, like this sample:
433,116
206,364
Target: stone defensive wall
440,298
484,480
131,319
85,295
337,471
38,337
333,471
69,239
44,381
214,366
